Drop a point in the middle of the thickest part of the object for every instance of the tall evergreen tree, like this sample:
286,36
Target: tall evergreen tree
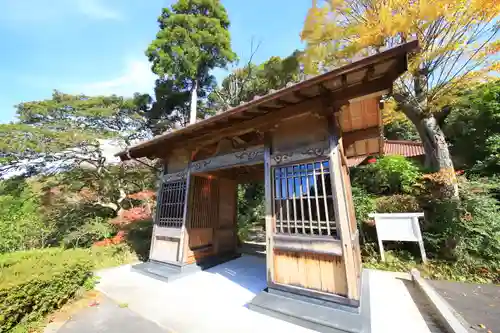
193,39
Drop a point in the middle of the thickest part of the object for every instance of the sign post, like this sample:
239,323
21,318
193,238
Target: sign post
402,227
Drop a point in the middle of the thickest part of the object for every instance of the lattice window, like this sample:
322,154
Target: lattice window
303,201
170,208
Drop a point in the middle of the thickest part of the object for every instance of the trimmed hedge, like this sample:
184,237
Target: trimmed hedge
397,203
33,283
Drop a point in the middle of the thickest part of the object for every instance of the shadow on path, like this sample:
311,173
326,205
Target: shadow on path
247,271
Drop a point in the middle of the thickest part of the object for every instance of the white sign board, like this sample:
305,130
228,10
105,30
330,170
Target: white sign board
399,227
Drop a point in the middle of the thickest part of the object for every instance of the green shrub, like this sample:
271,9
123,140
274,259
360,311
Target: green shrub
94,229
139,237
397,203
388,175
250,208
364,204
21,226
34,283
467,229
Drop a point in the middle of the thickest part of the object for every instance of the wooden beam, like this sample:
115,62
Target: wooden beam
239,140
284,103
349,138
342,152
301,96
268,204
381,141
369,74
317,149
340,208
269,108
376,94
170,177
343,95
264,121
249,156
224,146
308,243
188,198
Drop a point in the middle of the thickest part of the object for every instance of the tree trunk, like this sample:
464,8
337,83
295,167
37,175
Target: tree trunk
194,102
437,153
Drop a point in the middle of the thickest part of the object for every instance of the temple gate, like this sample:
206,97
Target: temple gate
297,140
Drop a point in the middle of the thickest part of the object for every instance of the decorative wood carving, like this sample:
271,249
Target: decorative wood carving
201,165
319,149
170,177
245,157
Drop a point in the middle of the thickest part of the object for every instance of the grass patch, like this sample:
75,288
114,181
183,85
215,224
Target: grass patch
402,261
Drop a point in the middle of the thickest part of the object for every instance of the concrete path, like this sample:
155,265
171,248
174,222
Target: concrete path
110,318
215,300
477,304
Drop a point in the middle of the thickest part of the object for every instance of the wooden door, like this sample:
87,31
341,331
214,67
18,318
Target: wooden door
225,231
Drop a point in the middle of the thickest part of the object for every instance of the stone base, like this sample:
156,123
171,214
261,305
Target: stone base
171,271
315,313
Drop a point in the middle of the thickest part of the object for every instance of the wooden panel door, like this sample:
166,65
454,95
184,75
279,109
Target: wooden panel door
225,232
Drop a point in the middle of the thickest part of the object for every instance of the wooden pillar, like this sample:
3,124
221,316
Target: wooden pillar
268,184
187,205
155,216
340,202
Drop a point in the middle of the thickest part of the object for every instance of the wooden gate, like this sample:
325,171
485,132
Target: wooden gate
307,251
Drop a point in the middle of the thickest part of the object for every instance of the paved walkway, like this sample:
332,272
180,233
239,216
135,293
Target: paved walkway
215,300
110,318
477,304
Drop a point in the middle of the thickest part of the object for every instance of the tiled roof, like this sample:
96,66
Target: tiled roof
404,148
393,147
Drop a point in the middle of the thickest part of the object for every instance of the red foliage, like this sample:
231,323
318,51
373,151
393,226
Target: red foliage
371,160
143,195
117,239
459,172
87,194
132,215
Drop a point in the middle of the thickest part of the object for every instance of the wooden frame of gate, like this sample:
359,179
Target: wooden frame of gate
297,140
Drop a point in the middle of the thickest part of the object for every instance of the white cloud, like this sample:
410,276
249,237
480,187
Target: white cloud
36,11
136,77
97,9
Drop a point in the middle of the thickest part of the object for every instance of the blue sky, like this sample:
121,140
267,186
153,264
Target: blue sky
97,46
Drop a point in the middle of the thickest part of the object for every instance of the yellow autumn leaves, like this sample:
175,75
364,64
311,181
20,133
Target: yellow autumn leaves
457,38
